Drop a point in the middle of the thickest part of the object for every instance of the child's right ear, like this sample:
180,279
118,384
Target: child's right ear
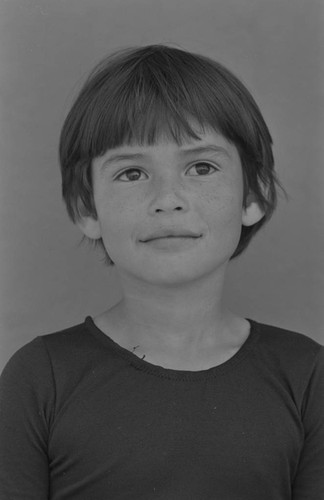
90,227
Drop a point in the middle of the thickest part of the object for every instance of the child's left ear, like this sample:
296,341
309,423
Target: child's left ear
252,213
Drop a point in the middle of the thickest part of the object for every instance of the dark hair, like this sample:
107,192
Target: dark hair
136,94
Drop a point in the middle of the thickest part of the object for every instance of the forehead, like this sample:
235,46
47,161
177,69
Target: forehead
208,141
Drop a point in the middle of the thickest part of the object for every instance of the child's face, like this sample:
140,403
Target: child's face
193,191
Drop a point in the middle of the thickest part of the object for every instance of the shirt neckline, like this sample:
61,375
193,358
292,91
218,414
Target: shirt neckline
162,372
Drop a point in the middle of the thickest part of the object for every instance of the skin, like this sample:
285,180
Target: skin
172,304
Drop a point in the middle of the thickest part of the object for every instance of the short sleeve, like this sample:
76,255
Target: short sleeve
26,408
309,479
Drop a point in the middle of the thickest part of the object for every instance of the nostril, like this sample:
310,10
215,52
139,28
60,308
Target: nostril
162,210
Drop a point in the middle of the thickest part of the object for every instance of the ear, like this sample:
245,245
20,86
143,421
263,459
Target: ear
252,213
90,227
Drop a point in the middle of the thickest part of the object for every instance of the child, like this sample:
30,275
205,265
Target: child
167,165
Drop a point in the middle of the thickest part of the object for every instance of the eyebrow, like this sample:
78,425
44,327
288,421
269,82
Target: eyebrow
184,152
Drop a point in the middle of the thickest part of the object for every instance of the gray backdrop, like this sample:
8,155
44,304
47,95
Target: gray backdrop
48,282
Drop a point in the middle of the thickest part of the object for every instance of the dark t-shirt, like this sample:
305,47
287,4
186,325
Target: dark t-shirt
83,418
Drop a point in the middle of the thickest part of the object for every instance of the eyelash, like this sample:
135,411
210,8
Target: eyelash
139,170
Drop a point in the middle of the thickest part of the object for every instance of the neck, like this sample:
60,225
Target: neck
177,317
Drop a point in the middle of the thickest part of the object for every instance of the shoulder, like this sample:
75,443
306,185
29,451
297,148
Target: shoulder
285,339
291,352
72,341
30,358
51,366
27,380
38,356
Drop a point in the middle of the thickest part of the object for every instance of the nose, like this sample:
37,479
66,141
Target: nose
168,197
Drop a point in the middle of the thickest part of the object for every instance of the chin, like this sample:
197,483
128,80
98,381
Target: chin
175,273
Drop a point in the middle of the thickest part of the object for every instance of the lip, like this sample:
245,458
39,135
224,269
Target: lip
170,233
173,244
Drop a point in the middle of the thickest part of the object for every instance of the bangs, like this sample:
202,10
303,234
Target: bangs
158,97
143,120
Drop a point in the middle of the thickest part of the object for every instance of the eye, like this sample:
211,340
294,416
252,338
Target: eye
129,175
202,168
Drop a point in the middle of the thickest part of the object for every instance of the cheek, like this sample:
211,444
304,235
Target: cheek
224,220
224,206
117,217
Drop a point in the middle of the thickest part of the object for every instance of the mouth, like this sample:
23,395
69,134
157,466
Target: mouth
170,235
173,236
172,243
